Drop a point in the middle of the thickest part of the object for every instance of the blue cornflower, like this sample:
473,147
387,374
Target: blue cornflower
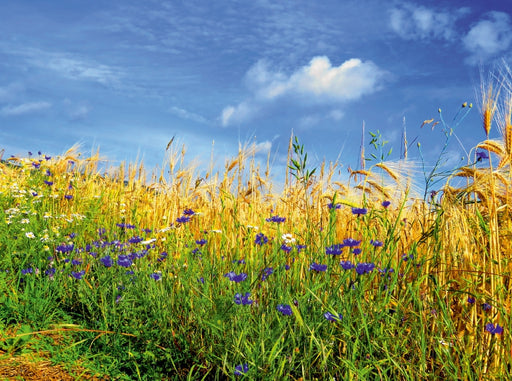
286,248
65,248
471,300
135,239
26,271
356,251
125,226
107,261
241,369
364,268
285,309
334,249
156,276
183,219
163,255
49,183
201,242
261,239
406,257
493,329
36,165
300,248
76,262
359,211
243,299
385,204
317,267
332,317
201,280
50,272
376,243
78,275
124,261
232,276
48,173
267,272
350,242
188,212
347,265
276,219
238,261
486,306
68,197
481,155
334,206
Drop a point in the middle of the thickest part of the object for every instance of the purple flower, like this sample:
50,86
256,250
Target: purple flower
286,248
494,329
334,206
359,211
135,239
107,261
261,239
471,300
481,155
267,272
332,317
376,243
76,262
317,267
232,276
486,306
356,251
385,204
347,265
243,299
68,197
285,309
124,261
349,242
156,276
334,249
201,242
201,280
65,248
27,271
300,248
49,183
36,165
241,369
183,219
276,219
406,257
188,212
50,272
364,268
78,275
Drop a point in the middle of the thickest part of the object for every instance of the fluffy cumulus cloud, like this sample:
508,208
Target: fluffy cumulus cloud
489,37
317,82
413,22
24,108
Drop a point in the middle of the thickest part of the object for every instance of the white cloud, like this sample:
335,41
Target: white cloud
317,82
184,114
412,22
238,114
489,37
24,108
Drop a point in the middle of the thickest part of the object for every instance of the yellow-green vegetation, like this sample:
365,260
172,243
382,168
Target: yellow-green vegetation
216,274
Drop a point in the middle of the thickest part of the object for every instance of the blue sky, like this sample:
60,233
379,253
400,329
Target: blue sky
126,76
